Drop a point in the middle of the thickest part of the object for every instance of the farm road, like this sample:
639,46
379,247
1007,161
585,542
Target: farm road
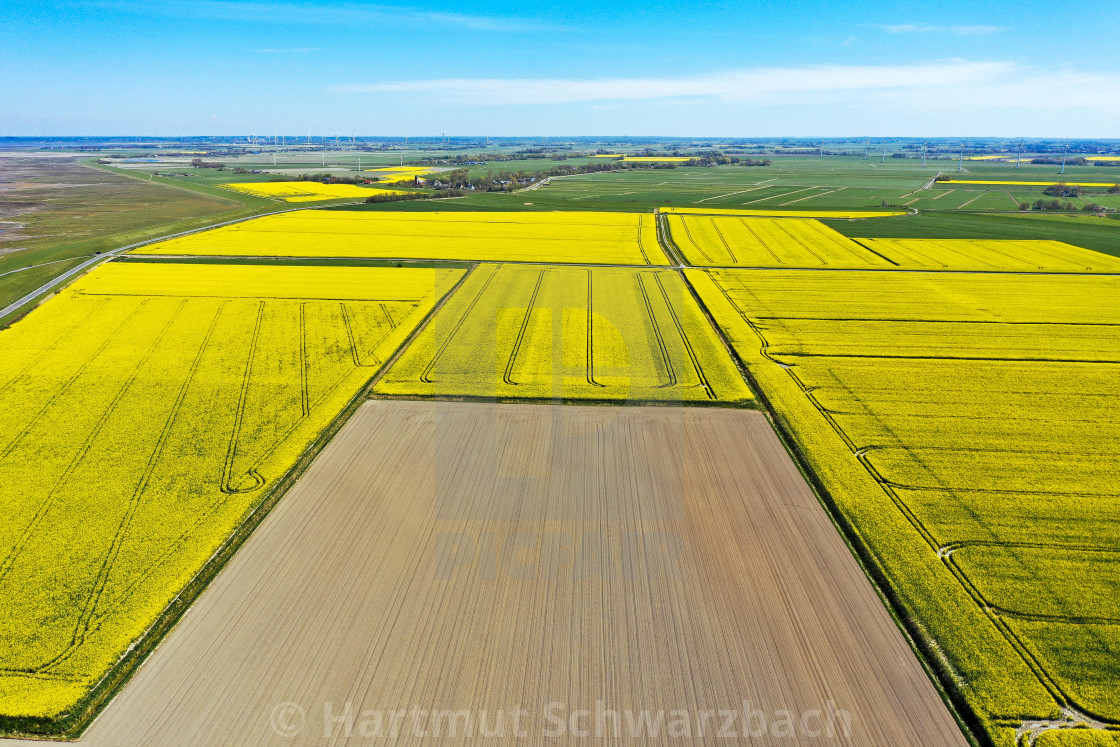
60,280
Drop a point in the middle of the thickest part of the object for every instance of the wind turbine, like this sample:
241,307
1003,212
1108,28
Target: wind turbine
923,155
960,164
1019,156
1064,149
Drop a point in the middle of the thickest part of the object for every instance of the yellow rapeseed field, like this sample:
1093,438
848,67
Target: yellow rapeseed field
963,425
992,255
766,242
145,412
601,238
397,178
724,241
398,174
840,214
400,169
306,191
645,159
657,159
569,333
1027,184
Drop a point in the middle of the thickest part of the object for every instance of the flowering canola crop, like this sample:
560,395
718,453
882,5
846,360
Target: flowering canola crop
963,425
306,191
145,413
766,242
549,332
1002,255
1028,184
400,169
657,159
724,241
602,238
398,174
645,159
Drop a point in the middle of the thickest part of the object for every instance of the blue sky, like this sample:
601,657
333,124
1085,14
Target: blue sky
748,69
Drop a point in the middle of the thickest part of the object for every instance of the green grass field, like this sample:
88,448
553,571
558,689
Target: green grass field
790,183
1090,232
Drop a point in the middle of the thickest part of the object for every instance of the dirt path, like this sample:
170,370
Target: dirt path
490,558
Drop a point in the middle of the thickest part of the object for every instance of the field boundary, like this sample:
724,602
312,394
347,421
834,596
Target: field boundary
925,650
665,236
392,359
628,402
71,725
174,183
441,264
220,259
727,346
707,404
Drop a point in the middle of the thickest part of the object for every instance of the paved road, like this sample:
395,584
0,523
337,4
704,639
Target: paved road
99,258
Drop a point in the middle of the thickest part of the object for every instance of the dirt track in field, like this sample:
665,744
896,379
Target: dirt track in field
468,556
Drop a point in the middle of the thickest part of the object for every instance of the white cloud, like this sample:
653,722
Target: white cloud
751,84
928,86
1058,93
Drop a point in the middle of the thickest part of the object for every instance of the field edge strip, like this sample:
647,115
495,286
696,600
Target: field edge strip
581,402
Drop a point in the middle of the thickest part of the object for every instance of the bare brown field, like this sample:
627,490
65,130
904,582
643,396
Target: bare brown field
447,556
